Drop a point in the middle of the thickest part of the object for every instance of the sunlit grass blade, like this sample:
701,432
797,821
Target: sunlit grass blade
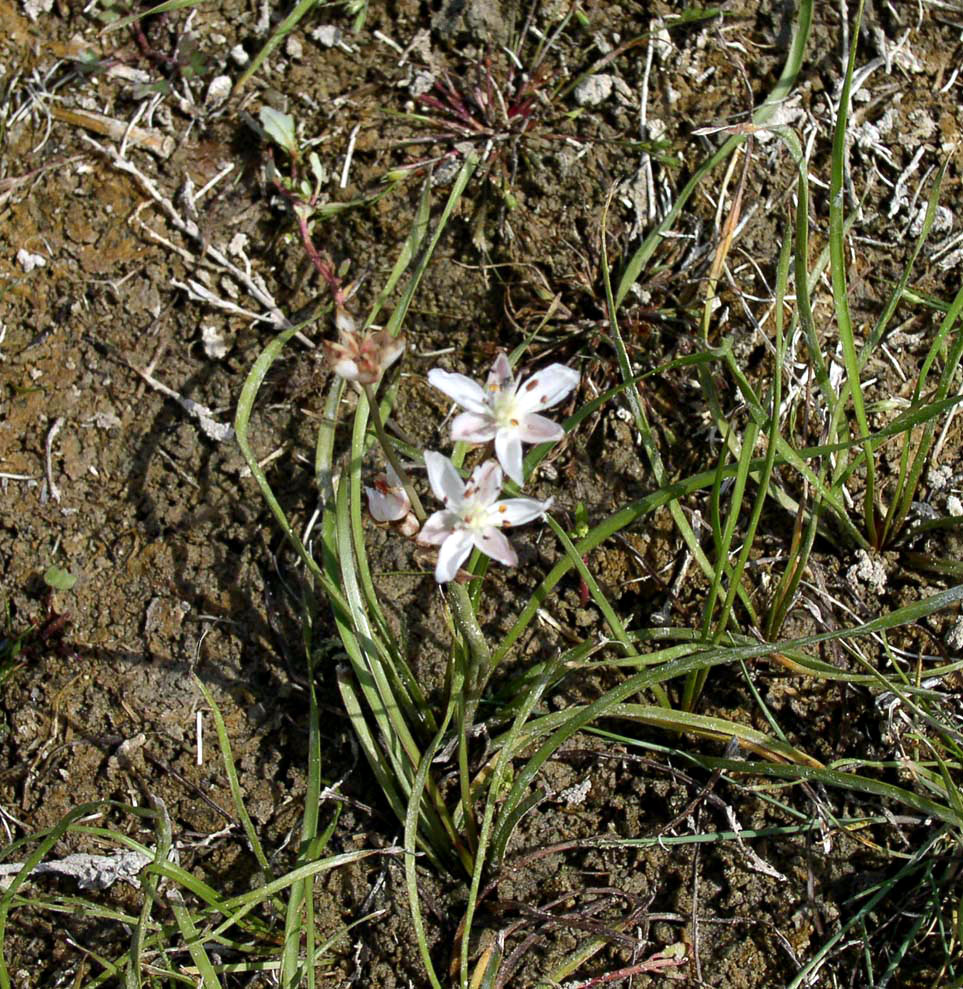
189,932
608,612
162,850
245,405
911,468
867,909
237,796
168,7
299,916
499,780
837,249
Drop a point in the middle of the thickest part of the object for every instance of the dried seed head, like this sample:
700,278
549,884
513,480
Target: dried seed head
362,357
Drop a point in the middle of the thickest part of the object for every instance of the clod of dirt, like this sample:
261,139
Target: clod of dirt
483,19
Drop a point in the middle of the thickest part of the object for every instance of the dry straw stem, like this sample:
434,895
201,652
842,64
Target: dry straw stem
161,145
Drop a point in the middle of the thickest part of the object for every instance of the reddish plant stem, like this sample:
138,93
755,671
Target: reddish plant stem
324,269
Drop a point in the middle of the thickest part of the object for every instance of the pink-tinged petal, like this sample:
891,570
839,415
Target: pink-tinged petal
500,376
534,428
448,487
508,449
467,393
492,542
438,528
344,321
387,505
453,553
473,428
518,511
348,370
486,482
546,388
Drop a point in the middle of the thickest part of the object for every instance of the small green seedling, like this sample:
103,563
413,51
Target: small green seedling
58,579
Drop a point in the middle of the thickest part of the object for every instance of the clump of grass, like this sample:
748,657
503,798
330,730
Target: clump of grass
401,734
186,931
654,676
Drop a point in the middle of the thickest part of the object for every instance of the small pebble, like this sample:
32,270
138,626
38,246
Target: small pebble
594,90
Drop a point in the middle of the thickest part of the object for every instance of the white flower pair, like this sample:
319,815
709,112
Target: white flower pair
507,412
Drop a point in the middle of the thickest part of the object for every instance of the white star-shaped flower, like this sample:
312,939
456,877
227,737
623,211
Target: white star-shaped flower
506,410
473,515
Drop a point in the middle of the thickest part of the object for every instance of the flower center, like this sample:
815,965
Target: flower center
474,515
505,409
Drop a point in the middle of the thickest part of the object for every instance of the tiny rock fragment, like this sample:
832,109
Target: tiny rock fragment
786,114
127,755
327,35
422,82
90,871
594,90
28,261
939,476
661,40
868,571
575,796
942,222
293,48
238,245
954,506
218,91
214,344
239,56
34,8
106,420
954,638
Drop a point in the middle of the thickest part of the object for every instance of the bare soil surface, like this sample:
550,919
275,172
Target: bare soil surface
180,567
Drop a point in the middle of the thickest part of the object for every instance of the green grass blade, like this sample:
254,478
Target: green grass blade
234,783
837,248
189,932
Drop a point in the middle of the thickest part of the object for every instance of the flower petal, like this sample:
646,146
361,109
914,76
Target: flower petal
453,553
486,482
534,428
344,321
546,388
348,370
518,511
492,542
387,505
391,348
473,428
508,449
467,393
500,376
438,528
448,487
